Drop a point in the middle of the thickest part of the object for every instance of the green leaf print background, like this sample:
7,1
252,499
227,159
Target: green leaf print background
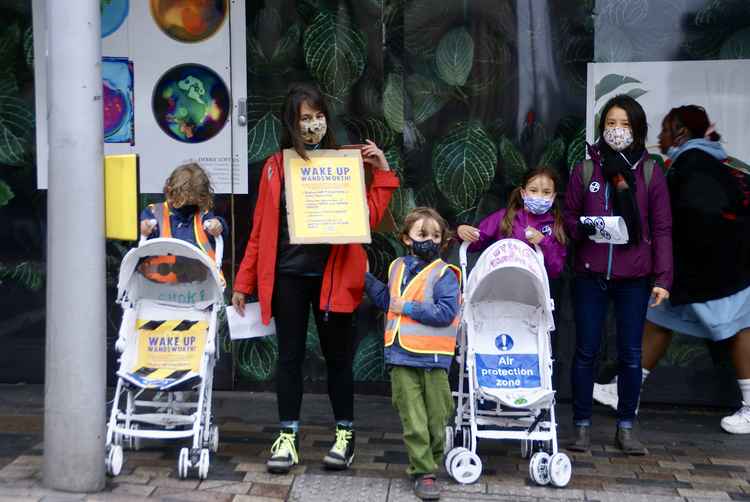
443,86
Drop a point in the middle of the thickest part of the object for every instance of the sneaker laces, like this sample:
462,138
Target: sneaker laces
284,446
342,441
743,413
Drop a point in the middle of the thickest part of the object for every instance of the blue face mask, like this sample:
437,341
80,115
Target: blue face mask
537,205
427,250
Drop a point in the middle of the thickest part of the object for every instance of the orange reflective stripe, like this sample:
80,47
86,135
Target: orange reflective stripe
428,344
165,226
201,237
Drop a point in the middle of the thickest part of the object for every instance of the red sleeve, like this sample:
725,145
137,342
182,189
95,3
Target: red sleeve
383,184
246,279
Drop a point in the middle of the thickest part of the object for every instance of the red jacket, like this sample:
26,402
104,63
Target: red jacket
345,268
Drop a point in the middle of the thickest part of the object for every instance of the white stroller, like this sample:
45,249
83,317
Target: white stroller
505,356
168,343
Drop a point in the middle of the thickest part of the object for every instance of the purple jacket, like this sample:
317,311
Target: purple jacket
652,256
554,252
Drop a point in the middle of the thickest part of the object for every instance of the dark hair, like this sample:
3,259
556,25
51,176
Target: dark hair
290,136
189,184
419,213
515,204
693,118
636,118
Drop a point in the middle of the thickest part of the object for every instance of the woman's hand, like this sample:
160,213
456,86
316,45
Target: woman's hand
533,235
238,302
373,156
659,295
213,227
468,233
147,226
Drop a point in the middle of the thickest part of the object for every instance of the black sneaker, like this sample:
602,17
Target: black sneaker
284,454
341,454
426,487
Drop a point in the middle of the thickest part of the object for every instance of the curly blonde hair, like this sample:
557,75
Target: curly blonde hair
189,184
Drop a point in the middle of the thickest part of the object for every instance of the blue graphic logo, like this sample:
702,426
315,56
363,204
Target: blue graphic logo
504,342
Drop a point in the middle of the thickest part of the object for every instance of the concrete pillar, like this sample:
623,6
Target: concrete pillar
75,380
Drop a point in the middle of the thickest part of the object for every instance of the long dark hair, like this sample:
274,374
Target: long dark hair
693,119
636,118
290,136
515,204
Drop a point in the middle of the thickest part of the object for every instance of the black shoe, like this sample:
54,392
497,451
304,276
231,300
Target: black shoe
626,440
582,441
284,452
341,454
426,487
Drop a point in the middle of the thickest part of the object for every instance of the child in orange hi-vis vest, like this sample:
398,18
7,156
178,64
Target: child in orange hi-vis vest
186,215
422,304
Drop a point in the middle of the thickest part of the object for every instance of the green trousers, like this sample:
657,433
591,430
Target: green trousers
424,403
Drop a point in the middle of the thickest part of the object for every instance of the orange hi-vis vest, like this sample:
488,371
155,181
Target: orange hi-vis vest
161,268
412,335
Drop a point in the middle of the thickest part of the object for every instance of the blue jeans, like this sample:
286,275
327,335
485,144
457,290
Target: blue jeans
591,298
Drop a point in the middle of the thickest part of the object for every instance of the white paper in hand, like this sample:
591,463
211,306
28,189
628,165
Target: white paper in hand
609,229
249,326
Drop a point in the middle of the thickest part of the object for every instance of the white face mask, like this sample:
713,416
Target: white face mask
313,130
619,138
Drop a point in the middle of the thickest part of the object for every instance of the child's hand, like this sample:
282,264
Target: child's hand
533,235
147,227
468,233
213,227
397,305
659,295
373,156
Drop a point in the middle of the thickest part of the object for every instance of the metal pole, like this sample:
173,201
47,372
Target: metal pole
75,393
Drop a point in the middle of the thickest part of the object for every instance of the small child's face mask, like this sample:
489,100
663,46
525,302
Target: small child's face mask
539,194
424,239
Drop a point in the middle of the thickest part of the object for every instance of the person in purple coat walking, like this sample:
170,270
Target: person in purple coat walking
619,180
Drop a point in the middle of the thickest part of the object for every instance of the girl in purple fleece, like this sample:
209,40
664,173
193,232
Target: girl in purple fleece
533,216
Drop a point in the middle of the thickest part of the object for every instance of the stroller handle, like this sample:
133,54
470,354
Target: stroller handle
218,252
463,259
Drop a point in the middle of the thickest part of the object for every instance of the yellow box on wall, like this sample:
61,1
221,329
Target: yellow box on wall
121,196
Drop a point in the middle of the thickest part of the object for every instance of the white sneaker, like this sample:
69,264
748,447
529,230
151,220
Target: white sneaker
739,423
606,393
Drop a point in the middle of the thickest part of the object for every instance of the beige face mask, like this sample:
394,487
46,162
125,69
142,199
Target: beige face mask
313,130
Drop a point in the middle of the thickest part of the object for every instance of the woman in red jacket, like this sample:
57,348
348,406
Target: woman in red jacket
291,278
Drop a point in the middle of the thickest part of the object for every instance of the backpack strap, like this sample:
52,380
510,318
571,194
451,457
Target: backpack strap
587,172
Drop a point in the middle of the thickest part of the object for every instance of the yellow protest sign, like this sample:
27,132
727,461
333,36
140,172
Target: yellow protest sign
325,197
170,345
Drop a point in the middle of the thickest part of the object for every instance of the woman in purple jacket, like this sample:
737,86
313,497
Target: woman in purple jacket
620,180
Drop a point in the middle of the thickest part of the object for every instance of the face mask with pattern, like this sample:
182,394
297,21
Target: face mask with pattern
313,130
619,138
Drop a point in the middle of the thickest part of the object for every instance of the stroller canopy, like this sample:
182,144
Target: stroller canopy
197,281
510,271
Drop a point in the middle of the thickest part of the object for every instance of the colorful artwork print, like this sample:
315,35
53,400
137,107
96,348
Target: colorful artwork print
189,20
113,13
191,103
117,100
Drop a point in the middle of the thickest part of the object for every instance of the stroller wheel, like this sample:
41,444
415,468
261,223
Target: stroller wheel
466,467
539,468
450,456
527,447
448,438
560,469
113,460
203,464
183,463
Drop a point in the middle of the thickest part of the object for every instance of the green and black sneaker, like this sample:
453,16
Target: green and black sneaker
341,454
284,454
